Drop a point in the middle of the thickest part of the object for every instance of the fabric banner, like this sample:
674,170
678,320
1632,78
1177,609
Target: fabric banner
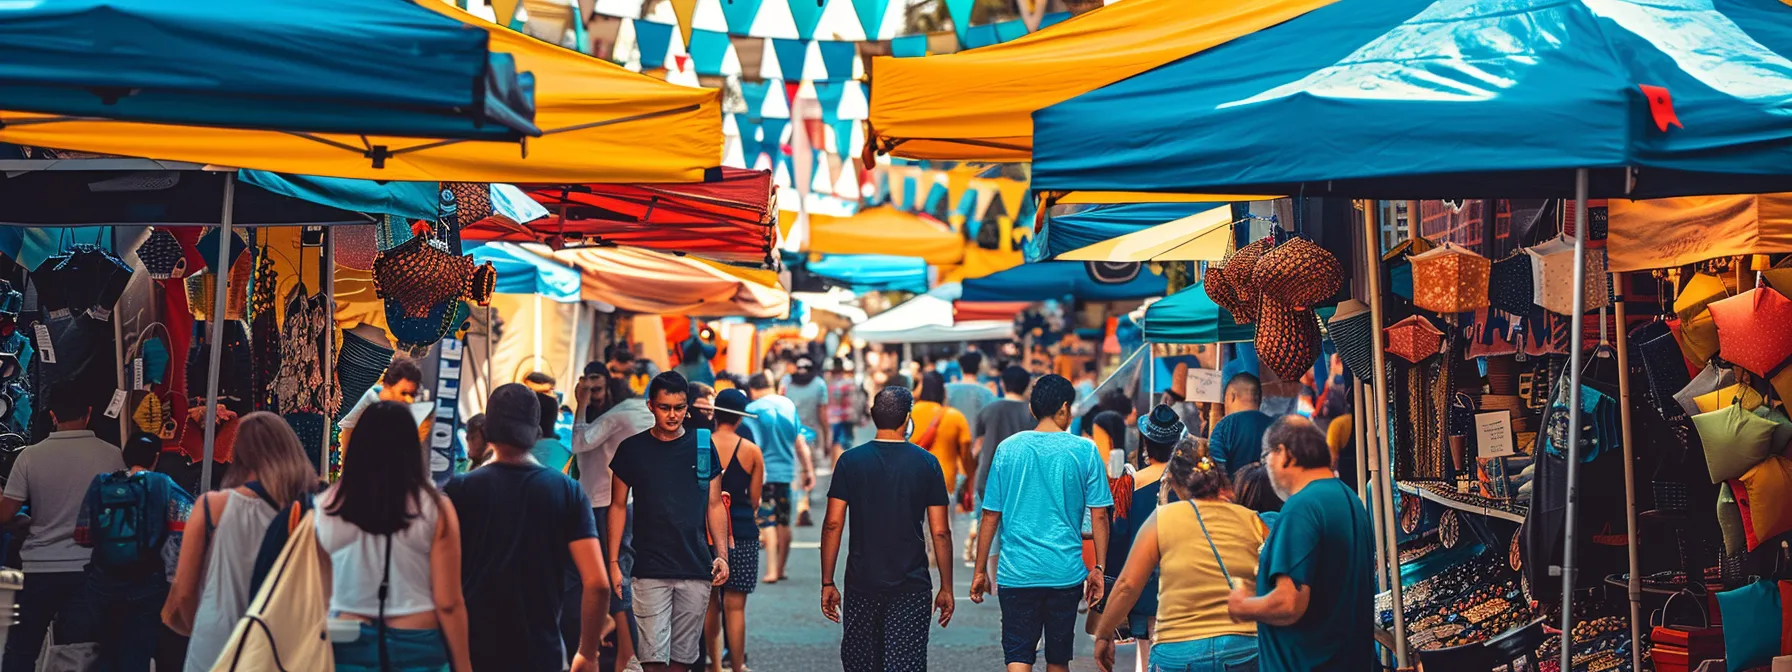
807,14
740,15
1010,30
829,95
751,52
837,57
708,50
791,56
749,140
754,94
772,140
1669,232
871,15
654,41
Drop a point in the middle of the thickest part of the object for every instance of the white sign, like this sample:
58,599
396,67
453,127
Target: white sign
1493,434
117,405
1204,385
45,349
137,373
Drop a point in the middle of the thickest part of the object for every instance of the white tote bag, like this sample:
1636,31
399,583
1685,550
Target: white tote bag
285,626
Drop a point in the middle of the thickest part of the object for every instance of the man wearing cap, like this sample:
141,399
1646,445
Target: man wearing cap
743,478
776,429
521,525
681,545
594,442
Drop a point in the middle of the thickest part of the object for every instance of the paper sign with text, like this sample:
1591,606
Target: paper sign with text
1204,385
1493,434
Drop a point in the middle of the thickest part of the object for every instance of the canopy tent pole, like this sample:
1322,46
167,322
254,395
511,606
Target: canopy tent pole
1575,357
1384,471
1360,432
216,353
118,351
490,350
572,345
1636,580
329,370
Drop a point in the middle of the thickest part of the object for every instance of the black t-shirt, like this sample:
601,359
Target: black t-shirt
887,486
515,524
671,504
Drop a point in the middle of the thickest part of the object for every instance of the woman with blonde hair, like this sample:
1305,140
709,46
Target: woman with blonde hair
1200,546
212,585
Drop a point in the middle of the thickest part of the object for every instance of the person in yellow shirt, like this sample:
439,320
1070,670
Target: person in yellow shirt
943,431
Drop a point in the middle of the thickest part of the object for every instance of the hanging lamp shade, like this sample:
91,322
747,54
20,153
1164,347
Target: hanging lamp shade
1289,279
1413,339
1552,272
1450,279
1754,329
1351,331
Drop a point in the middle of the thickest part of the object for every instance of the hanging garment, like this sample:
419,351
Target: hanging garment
264,331
359,365
88,280
162,255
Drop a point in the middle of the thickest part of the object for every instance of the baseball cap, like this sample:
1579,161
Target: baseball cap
732,401
513,416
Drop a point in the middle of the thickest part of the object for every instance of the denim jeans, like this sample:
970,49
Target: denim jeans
407,650
127,619
59,597
1225,653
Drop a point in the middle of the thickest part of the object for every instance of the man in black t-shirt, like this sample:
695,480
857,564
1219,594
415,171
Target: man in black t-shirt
887,482
681,527
520,526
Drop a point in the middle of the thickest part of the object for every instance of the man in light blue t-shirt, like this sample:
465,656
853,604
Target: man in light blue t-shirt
1041,574
772,418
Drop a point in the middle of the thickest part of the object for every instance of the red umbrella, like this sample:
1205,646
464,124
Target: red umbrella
732,217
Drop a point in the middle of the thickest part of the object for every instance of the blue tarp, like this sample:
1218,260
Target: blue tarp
1063,233
1449,99
523,272
1189,316
338,66
873,272
410,200
1058,279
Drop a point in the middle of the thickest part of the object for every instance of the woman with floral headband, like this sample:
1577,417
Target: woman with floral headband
1201,545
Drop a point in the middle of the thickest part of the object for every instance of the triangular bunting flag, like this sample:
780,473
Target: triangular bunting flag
960,11
685,10
843,144
776,107
829,94
771,139
909,46
740,15
853,104
792,54
837,57
1011,30
750,147
1031,13
655,39
790,91
708,49
978,36
751,52
807,14
754,95
1053,19
504,11
821,179
871,15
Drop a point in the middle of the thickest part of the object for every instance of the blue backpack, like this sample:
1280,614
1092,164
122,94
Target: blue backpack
129,523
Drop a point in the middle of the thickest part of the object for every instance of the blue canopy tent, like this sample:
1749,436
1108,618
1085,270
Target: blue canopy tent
1450,99
1058,234
1455,99
1188,316
523,272
1058,279
323,66
873,272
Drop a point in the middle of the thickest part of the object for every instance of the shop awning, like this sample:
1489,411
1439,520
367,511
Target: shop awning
1671,232
971,311
928,318
320,66
523,272
1059,234
408,200
1189,316
1446,99
872,272
887,231
643,281
1088,281
1202,236
599,123
727,218
975,105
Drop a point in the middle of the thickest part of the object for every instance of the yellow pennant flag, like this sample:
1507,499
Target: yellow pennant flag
684,9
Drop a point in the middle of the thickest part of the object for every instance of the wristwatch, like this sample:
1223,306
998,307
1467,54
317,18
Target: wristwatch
1100,568
827,584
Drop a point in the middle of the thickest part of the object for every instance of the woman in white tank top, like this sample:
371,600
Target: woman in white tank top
212,582
384,524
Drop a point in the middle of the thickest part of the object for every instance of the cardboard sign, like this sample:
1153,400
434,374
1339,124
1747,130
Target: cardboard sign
1204,385
1493,434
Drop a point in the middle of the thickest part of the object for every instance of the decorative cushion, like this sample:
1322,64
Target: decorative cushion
1697,331
1764,497
1729,521
1414,339
1450,279
1782,431
1754,329
1752,624
1734,394
1735,440
1708,380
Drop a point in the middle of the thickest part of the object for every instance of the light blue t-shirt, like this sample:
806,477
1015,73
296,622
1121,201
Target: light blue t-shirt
775,429
1043,484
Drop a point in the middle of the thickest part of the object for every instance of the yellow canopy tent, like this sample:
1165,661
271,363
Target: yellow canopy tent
1669,232
1198,237
643,281
978,104
887,231
599,122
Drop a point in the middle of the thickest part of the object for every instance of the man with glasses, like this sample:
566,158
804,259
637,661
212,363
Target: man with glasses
681,542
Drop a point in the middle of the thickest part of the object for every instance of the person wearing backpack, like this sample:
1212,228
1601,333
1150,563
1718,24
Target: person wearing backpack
133,520
52,476
394,547
215,580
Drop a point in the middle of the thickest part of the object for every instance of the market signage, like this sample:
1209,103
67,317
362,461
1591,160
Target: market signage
443,432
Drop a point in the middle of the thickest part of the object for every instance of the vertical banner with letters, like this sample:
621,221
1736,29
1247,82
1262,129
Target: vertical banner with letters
444,442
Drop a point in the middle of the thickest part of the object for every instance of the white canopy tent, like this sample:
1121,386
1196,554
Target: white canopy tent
928,318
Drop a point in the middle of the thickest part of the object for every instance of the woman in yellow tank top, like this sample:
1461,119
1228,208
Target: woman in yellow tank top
1206,544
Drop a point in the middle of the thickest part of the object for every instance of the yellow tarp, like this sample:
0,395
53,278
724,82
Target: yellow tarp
978,104
644,281
1668,232
600,123
1198,237
888,231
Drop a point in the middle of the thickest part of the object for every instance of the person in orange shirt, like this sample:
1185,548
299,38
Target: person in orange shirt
943,431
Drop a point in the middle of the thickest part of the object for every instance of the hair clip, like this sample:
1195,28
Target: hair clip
1205,464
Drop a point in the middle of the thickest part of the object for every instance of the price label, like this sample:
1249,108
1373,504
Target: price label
1204,385
137,373
1493,434
117,405
45,348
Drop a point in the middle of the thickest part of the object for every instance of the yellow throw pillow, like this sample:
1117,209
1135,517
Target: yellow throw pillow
1764,495
1712,401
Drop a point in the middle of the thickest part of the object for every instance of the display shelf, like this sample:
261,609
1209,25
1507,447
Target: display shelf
1442,494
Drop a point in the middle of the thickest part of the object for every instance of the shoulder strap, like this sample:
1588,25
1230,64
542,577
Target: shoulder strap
255,487
705,470
211,526
1210,545
385,585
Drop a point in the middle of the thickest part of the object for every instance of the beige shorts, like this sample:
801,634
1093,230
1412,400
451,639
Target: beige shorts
670,614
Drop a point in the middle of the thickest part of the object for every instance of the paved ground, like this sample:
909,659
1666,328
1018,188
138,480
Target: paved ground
787,633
